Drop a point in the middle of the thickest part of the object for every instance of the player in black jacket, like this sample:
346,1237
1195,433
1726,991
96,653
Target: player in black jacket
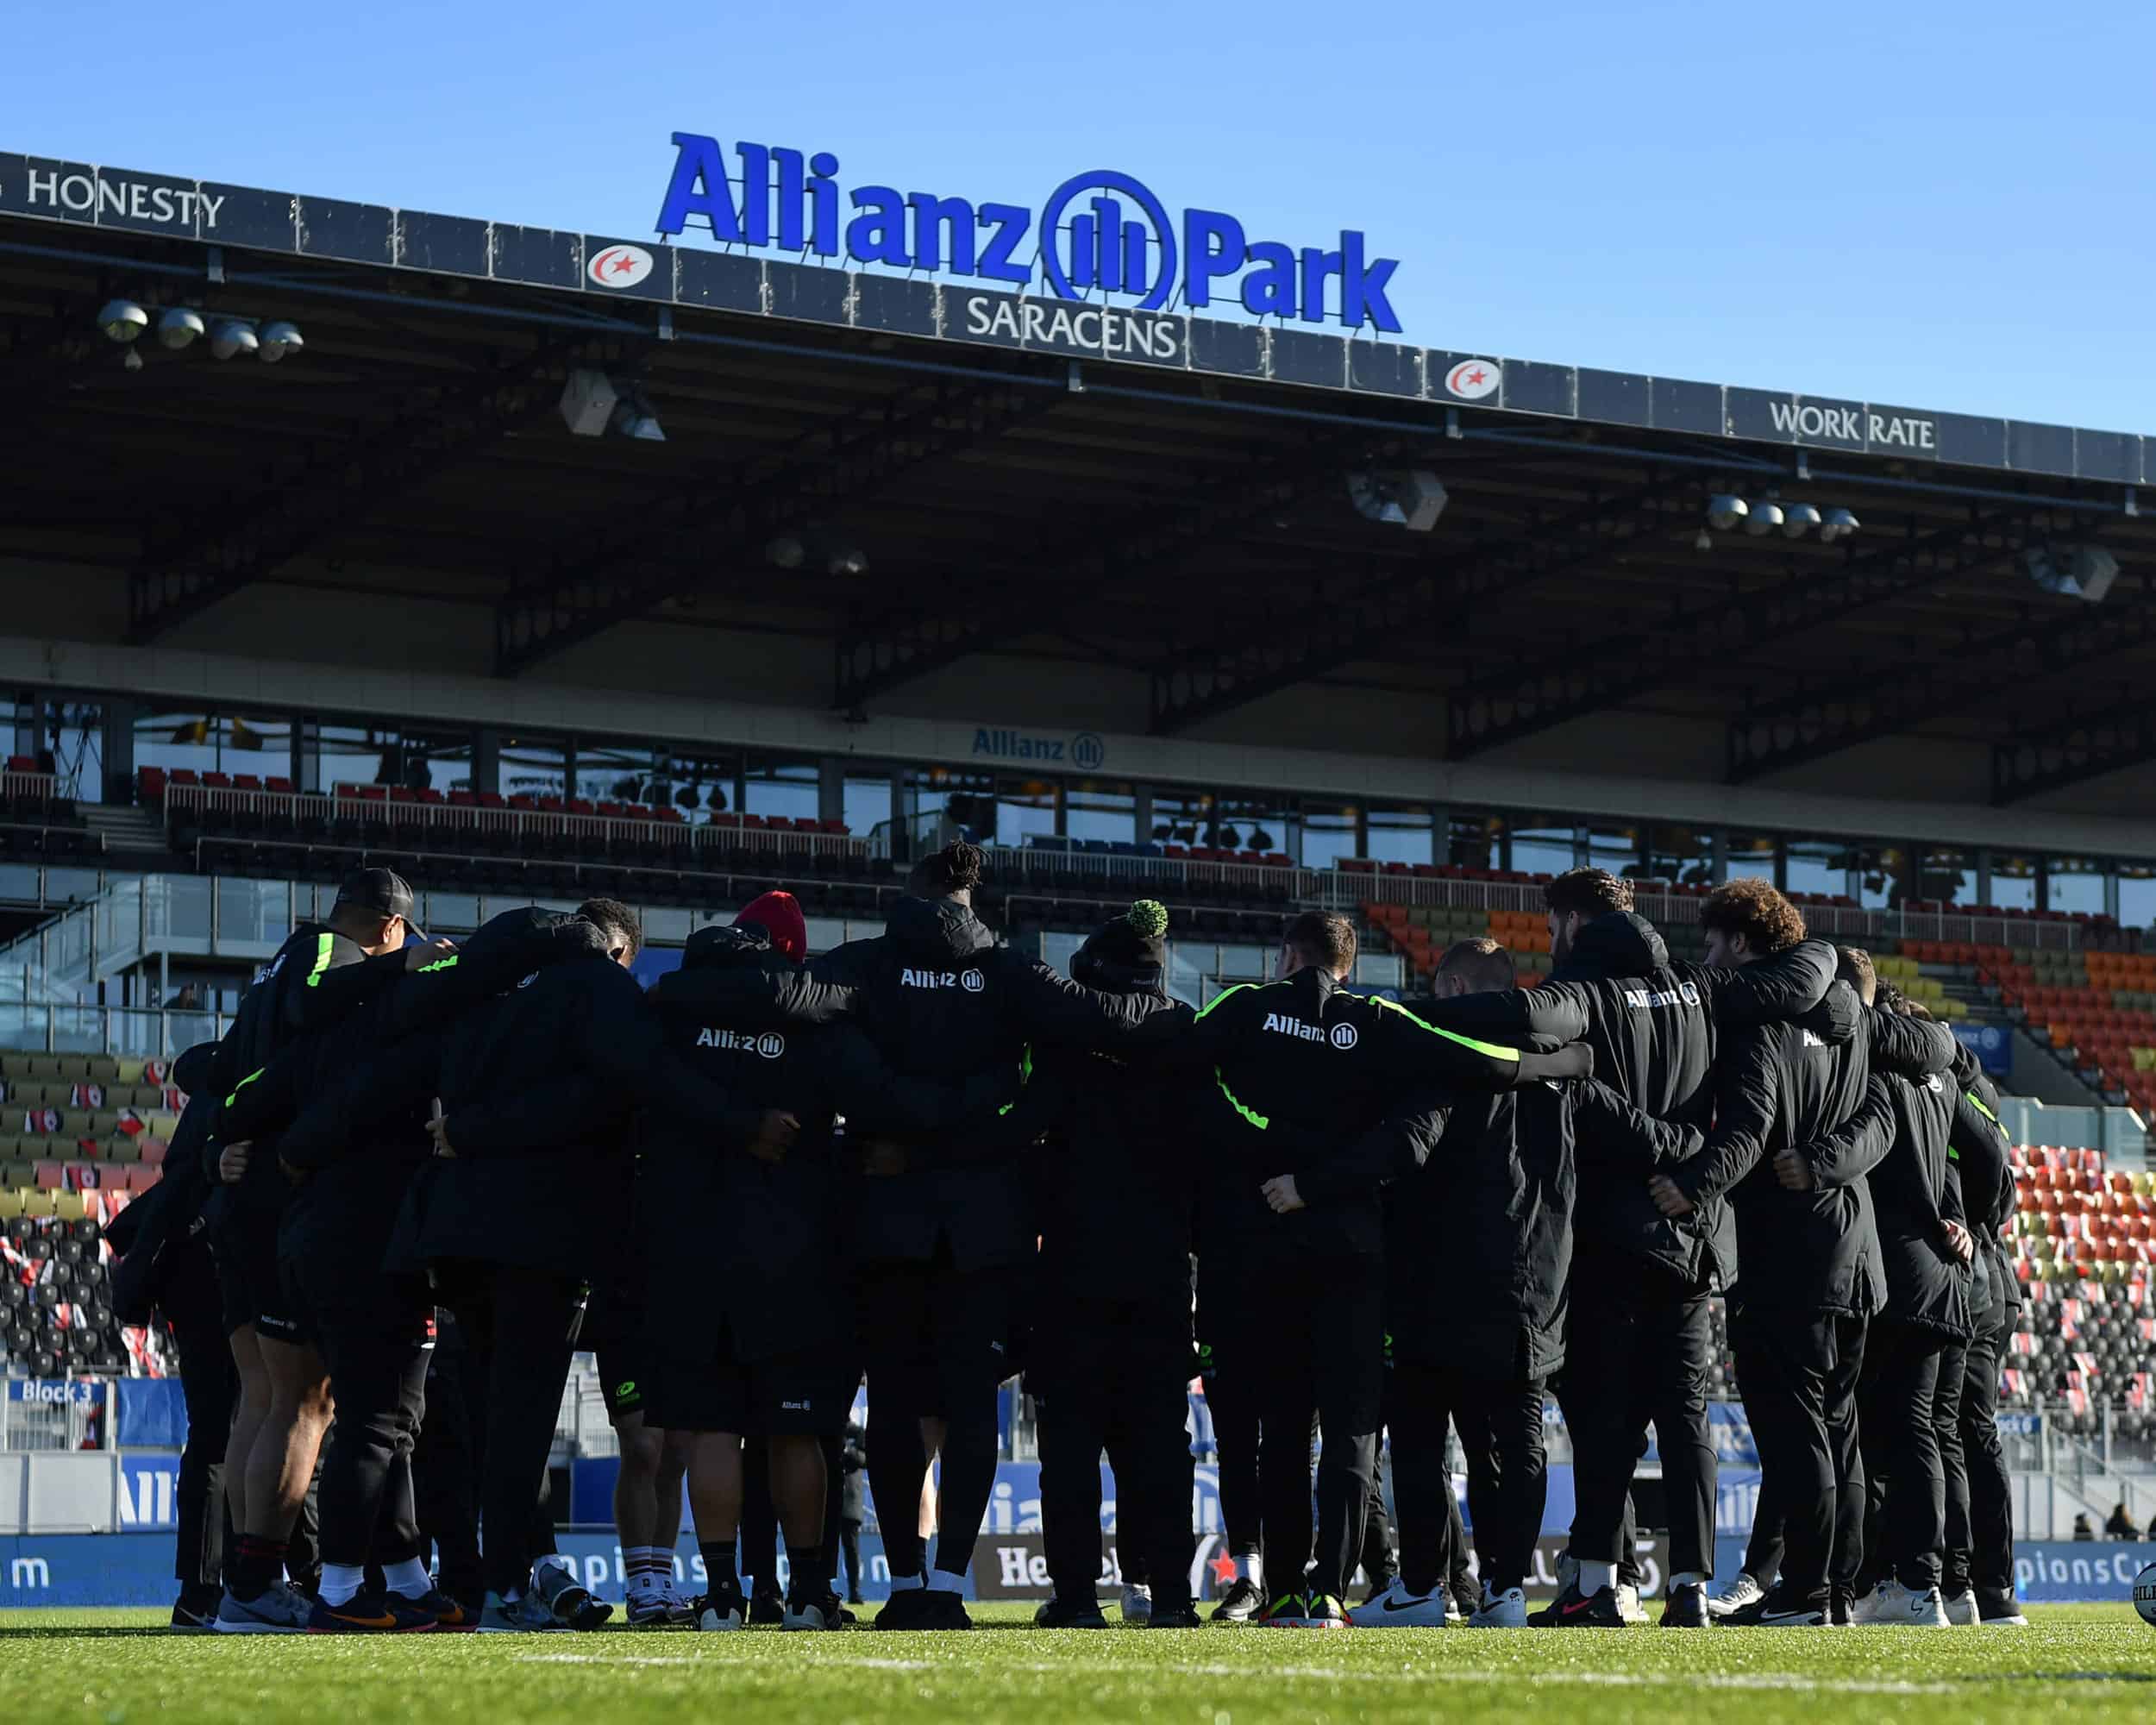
1979,1578
754,1249
1315,1097
1114,1193
349,1161
1898,1144
1808,1272
321,972
1640,1350
941,1239
1492,1201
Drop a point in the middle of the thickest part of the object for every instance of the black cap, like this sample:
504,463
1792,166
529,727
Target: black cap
383,891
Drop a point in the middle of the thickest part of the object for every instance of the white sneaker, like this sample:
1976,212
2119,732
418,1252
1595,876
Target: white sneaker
1961,1608
723,1611
1137,1602
1890,1603
1506,1610
1742,1592
1397,1609
1628,1606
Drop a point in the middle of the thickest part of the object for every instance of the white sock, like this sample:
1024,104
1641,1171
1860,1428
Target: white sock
341,1581
409,1578
1687,1577
900,1583
943,1581
1252,1569
1595,1576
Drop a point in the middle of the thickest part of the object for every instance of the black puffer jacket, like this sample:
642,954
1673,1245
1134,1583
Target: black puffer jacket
1479,1238
1896,1145
763,1245
1978,1146
1652,1027
941,999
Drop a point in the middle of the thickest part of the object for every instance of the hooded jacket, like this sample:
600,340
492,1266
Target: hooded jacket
1896,1145
1981,1165
761,1245
1493,1203
1654,1027
1303,1077
941,999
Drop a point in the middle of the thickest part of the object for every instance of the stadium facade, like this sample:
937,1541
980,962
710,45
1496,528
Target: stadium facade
946,538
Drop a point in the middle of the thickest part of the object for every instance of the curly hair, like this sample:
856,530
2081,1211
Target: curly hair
1590,892
944,874
1751,908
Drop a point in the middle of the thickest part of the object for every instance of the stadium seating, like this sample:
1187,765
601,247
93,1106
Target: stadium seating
2095,1009
56,1311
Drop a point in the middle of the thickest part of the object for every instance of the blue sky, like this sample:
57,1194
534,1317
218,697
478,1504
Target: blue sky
1948,206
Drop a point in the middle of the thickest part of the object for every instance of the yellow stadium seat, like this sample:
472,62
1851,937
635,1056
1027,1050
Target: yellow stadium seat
10,1204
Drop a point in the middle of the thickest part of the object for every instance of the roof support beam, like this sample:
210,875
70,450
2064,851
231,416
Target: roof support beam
733,514
2084,745
887,652
1813,723
1590,676
332,490
1354,619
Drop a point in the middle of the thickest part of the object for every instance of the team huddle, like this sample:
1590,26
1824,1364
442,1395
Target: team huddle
924,1157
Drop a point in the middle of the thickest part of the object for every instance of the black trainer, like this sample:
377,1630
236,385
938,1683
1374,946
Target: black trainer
767,1604
943,1611
1173,1615
1242,1601
1686,1608
1572,1610
905,1609
1059,1613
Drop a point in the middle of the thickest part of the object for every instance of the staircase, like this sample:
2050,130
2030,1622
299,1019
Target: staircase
132,837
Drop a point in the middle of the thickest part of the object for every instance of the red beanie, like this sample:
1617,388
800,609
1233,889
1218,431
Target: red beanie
779,914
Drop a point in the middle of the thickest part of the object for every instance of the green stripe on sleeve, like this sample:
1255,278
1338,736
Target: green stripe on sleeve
1977,1102
1237,989
448,963
1235,1102
234,1098
1489,1050
325,945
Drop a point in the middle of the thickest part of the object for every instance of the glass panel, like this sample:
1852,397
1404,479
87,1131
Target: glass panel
530,767
1613,848
178,907
826,932
1749,854
20,883
1398,833
699,784
254,911
1100,809
1473,841
1538,845
1681,855
1881,876
74,738
1182,817
1328,834
784,788
1267,825
451,910
2137,894
1025,809
1819,866
201,741
2074,883
2013,882
867,803
418,760
1949,877
72,886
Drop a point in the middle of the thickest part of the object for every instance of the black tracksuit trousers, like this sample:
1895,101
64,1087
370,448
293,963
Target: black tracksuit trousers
1905,1512
1114,1374
444,1476
1988,1563
1639,1352
1500,1420
1326,1355
374,1333
1799,1370
210,1384
520,1319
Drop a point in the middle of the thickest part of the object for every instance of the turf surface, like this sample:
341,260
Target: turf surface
2083,1664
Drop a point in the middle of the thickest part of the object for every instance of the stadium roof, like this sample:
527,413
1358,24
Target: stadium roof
1157,494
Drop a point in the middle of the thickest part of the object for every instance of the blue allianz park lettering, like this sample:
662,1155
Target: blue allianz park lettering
1101,231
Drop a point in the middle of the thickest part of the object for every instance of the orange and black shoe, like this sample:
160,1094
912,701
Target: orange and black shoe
448,1614
370,1614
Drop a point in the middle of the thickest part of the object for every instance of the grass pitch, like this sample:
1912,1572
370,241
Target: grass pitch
2085,1664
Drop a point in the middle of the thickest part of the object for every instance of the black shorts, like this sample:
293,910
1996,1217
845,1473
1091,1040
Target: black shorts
937,1337
807,1392
250,1284
621,1379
